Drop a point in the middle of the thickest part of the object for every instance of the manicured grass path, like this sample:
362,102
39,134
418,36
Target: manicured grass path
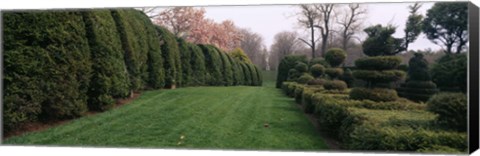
196,117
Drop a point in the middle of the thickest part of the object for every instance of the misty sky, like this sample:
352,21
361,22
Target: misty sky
267,20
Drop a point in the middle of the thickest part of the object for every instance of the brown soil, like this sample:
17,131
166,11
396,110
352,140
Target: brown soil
331,142
38,126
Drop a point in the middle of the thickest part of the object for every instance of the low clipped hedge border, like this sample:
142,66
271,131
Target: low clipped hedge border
374,94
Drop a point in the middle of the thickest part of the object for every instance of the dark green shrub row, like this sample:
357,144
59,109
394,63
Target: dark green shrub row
287,63
451,109
185,53
132,35
374,94
378,62
59,64
171,57
47,66
108,66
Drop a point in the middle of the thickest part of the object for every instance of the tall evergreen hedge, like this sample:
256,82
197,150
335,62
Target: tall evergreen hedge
47,66
59,64
132,34
155,69
235,70
247,78
185,56
197,64
287,63
213,64
227,69
171,57
259,76
109,76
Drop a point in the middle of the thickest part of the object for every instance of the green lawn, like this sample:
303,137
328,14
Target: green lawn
196,117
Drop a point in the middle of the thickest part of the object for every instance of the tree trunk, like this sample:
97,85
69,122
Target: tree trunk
313,41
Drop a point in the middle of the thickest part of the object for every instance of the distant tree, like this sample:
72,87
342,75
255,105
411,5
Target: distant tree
284,43
381,42
326,11
308,18
446,24
190,23
253,46
180,20
413,27
350,23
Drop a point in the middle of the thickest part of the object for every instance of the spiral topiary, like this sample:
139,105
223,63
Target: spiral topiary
419,86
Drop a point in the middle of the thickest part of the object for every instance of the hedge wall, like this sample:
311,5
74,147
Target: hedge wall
132,34
213,64
47,66
227,69
155,68
59,64
171,57
197,64
109,78
185,56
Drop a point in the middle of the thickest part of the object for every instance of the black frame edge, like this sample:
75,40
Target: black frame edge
473,118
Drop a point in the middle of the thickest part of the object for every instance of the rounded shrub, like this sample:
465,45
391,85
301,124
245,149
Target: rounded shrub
301,67
451,109
317,70
293,74
377,76
334,73
316,81
335,56
374,94
287,63
304,78
319,60
335,85
378,62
